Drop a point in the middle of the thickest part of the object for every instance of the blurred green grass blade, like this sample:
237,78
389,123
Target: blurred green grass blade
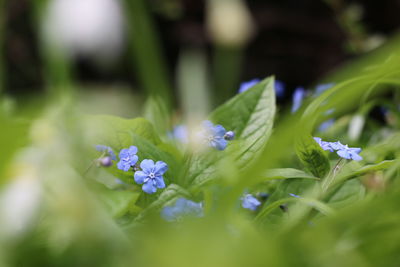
146,50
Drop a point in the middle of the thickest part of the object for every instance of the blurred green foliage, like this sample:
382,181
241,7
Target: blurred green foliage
58,208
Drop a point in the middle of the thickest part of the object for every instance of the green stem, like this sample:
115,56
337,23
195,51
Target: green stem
331,177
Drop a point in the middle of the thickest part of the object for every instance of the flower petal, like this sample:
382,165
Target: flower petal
123,153
219,130
147,165
220,143
133,150
355,156
159,182
149,188
344,154
123,166
140,176
133,160
160,167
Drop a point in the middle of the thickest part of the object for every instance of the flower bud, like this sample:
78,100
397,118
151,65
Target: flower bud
105,161
229,135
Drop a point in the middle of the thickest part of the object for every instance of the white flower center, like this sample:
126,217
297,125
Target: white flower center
152,175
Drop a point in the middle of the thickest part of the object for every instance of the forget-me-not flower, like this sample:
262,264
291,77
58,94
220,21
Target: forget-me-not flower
183,207
250,202
244,86
298,96
108,150
128,158
349,152
214,135
342,150
151,175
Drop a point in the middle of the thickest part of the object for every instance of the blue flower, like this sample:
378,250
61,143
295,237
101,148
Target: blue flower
151,175
110,152
324,145
279,88
244,86
323,87
349,153
128,158
214,135
294,195
183,207
250,202
342,150
298,96
180,133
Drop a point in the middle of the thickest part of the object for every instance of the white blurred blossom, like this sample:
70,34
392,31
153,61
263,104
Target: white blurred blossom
19,203
93,28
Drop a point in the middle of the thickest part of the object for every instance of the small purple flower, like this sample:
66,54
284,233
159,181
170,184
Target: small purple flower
244,86
151,175
298,97
250,202
214,135
229,136
110,152
183,207
128,158
349,153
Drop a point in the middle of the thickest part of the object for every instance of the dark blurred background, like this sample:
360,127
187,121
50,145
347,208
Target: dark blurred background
299,41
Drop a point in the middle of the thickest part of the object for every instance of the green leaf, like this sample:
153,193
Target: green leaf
287,173
117,203
117,132
250,115
312,156
350,192
364,170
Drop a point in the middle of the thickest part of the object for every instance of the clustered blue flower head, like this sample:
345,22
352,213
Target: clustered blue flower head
183,207
250,202
215,135
128,158
244,86
151,175
298,96
342,150
108,150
